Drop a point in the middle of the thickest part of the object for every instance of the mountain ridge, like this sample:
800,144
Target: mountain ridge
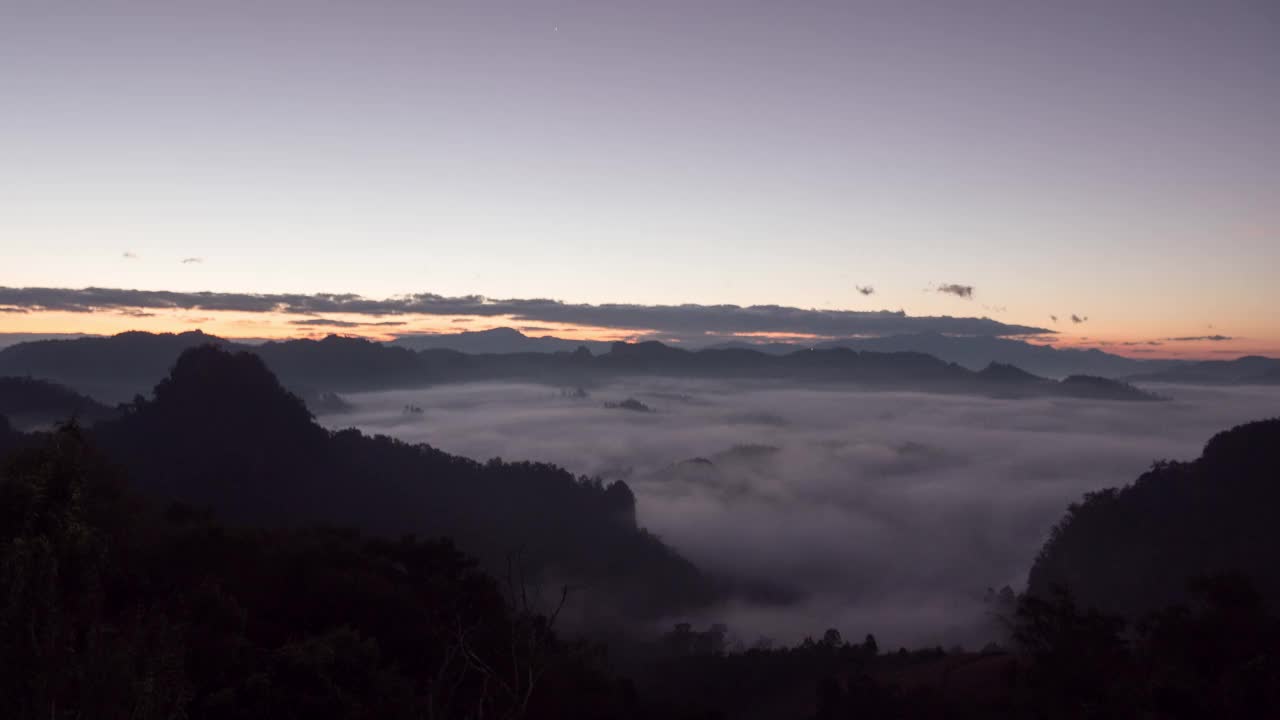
343,364
972,352
221,433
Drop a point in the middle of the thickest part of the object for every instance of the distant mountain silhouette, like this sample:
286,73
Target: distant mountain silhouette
496,341
1016,382
1131,550
221,433
1249,370
29,402
975,352
341,364
1099,388
112,369
13,338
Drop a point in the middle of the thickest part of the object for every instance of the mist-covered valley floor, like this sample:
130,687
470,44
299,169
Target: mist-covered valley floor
889,513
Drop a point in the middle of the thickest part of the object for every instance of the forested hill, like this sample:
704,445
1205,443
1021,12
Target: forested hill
119,367
221,433
111,369
115,608
1132,549
30,402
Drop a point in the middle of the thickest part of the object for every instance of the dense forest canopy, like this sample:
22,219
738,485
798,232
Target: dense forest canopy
1130,550
114,608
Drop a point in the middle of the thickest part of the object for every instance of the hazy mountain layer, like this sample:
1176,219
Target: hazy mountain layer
1251,370
126,364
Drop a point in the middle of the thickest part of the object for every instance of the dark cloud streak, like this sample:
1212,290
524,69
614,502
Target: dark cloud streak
660,318
324,322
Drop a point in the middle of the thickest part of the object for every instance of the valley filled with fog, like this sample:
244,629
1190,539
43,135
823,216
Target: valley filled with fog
880,512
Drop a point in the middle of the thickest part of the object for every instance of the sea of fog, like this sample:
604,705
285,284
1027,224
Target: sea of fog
889,512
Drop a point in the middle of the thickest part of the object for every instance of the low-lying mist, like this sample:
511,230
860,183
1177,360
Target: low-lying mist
888,513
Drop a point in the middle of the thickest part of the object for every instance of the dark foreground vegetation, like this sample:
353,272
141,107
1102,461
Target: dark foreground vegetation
113,609
1130,549
185,561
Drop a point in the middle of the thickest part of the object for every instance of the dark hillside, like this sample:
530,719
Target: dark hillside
221,433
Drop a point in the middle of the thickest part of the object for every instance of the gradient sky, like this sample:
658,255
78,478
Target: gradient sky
1115,160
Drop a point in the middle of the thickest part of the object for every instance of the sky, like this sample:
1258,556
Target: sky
1115,161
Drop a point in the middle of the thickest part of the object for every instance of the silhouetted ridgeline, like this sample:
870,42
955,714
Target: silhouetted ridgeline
976,352
27,402
113,369
125,365
221,433
1251,370
495,341
1131,550
973,352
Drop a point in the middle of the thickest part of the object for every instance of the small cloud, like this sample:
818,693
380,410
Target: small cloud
192,261
960,291
13,310
534,328
1053,318
321,322
1210,338
134,312
1077,319
129,256
462,320
865,289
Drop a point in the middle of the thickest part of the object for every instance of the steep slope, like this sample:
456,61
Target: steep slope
1132,549
222,433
